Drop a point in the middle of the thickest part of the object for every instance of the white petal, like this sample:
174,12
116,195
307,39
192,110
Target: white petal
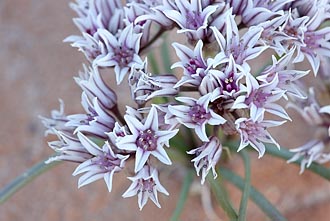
161,155
141,158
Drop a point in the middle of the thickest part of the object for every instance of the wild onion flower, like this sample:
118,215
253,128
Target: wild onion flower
145,184
122,53
103,164
192,18
146,139
241,48
318,118
207,156
196,114
254,132
236,62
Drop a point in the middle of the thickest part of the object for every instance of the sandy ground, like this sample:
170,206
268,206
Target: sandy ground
36,70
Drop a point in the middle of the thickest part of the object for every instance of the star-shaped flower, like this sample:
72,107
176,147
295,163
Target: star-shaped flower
192,18
122,52
192,62
145,184
242,48
255,133
146,139
103,165
196,114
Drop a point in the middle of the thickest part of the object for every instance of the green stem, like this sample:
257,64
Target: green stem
166,57
285,154
22,180
154,65
222,197
188,179
247,186
255,195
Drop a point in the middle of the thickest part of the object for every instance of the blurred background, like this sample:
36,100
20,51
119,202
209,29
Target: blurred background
37,68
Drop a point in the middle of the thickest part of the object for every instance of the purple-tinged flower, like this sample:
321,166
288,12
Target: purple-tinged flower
91,45
318,119
271,33
144,86
192,18
196,114
157,15
117,133
57,121
287,77
146,139
122,52
238,7
145,184
96,122
218,18
96,14
272,5
293,30
261,97
317,8
258,11
241,48
68,148
317,44
309,110
255,133
207,156
192,62
92,83
228,77
103,164
135,9
312,151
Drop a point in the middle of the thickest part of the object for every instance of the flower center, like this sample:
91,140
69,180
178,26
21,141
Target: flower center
107,162
259,98
229,83
147,185
193,65
194,20
198,114
123,55
147,140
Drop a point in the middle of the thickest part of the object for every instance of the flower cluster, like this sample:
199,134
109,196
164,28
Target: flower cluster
223,88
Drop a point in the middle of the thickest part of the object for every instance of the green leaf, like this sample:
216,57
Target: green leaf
247,186
188,179
255,195
25,178
223,198
285,154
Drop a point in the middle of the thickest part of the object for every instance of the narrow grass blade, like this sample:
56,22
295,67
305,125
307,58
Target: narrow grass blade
247,186
188,179
255,195
24,179
222,197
